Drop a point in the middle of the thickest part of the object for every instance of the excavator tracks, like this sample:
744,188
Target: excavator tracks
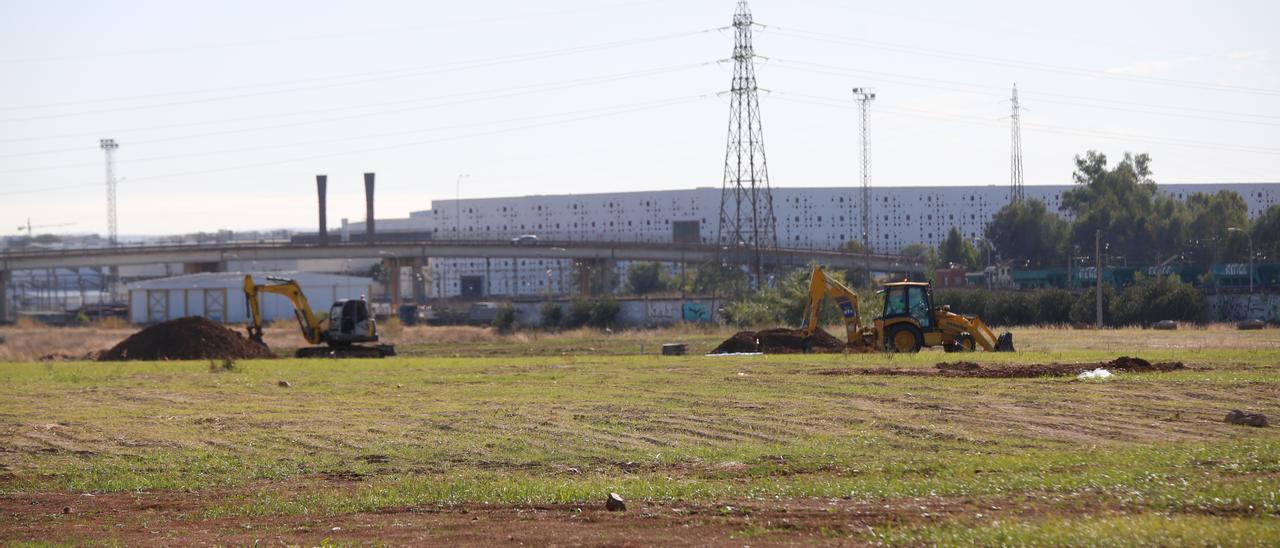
359,352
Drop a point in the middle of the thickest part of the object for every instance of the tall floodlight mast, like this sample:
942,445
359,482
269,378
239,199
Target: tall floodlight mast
864,97
109,146
1015,166
747,224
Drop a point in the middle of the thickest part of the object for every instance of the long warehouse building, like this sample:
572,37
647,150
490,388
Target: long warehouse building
817,218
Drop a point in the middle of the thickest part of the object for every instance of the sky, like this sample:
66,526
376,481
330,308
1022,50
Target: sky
225,111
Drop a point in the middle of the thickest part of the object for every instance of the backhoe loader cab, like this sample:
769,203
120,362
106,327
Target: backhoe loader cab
910,322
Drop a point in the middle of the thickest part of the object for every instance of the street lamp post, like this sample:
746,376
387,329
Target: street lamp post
1250,237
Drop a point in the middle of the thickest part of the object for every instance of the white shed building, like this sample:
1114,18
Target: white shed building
219,296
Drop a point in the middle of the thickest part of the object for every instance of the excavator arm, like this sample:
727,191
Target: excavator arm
311,328
821,286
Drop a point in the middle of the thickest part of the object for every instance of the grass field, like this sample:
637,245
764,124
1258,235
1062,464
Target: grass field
477,438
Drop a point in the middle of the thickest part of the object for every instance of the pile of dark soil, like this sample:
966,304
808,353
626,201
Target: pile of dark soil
779,341
190,338
1017,371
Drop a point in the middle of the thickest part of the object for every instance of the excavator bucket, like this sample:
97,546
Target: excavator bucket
1004,343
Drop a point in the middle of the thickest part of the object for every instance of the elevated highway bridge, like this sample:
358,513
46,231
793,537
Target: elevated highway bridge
214,257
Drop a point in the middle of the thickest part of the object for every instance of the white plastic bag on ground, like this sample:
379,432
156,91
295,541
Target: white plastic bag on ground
1098,373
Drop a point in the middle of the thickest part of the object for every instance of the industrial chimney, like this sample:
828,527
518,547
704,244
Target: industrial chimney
368,206
321,182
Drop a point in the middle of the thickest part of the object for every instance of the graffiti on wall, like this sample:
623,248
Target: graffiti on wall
696,312
1233,308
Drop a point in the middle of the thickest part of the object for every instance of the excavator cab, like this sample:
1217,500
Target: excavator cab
351,322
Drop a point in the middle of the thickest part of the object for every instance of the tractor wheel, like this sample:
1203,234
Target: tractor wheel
903,338
965,343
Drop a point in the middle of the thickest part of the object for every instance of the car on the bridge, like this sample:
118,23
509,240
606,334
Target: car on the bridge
525,239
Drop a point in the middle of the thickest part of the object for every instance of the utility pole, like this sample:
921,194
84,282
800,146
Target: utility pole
1015,166
747,223
1097,281
1230,229
109,146
864,97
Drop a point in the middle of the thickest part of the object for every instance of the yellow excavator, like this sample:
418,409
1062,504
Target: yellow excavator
349,322
908,322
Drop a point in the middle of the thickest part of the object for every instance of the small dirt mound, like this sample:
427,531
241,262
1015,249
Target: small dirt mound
190,338
958,366
1018,371
779,341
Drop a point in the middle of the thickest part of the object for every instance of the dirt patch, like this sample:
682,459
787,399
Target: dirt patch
1018,371
163,518
780,340
190,338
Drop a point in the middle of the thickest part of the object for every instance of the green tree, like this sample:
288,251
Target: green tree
1266,233
1155,299
1213,216
579,313
1118,201
957,250
1027,230
645,277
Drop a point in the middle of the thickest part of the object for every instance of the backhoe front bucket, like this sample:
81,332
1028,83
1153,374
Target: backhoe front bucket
1005,342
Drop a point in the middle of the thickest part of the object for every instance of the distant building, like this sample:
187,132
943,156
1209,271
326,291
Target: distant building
816,218
220,296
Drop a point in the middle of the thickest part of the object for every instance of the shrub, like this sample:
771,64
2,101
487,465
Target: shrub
604,312
505,319
552,315
1154,299
1054,306
579,313
1085,308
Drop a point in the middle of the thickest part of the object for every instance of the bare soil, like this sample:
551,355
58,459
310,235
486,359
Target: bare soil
167,517
780,341
1021,371
190,338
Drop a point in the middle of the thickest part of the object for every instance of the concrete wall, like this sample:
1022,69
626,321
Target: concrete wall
227,304
637,312
1233,308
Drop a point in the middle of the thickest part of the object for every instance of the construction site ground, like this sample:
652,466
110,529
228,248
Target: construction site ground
488,439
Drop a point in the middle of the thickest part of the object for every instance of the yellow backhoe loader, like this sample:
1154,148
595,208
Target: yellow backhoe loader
349,322
908,322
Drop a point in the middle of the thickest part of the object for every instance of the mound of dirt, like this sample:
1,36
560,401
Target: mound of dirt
779,340
190,338
1018,371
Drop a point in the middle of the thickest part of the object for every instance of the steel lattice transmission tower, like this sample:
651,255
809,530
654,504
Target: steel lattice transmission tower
747,223
109,146
1015,168
864,97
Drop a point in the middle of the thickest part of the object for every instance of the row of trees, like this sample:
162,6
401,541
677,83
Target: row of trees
1137,223
1148,301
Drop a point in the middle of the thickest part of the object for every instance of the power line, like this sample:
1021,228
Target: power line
622,109
332,36
387,75
835,103
980,89
970,58
486,95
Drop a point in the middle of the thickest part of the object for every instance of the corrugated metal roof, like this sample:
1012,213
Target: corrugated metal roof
235,280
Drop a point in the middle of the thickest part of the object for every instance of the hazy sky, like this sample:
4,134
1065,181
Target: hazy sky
226,110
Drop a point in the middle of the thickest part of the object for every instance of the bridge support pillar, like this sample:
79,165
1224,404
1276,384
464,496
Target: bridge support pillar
419,281
5,277
391,266
596,276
